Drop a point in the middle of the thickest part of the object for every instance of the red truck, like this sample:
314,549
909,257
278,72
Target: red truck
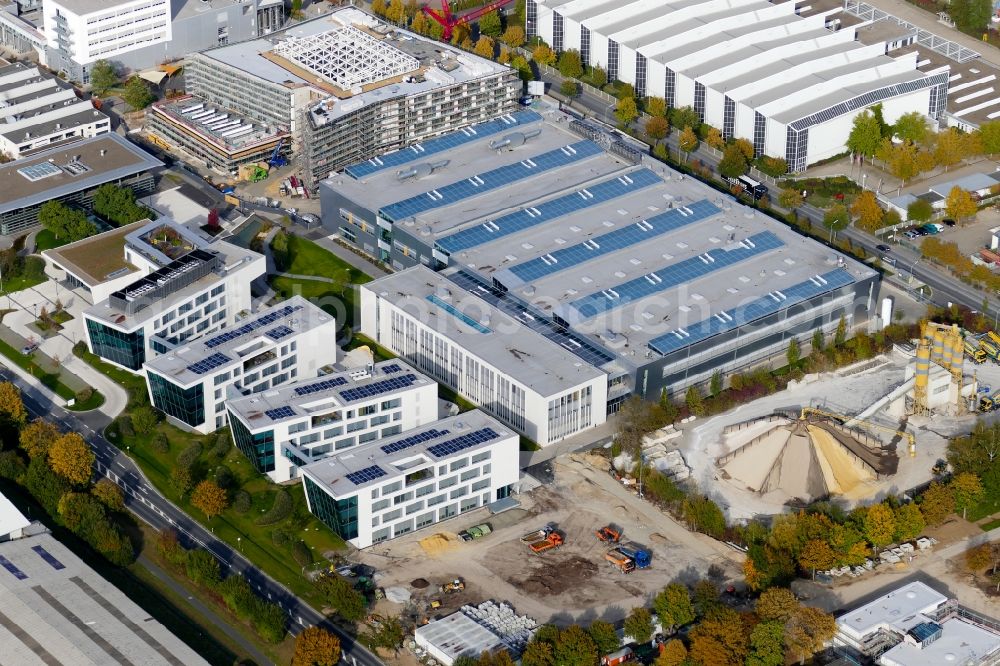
542,540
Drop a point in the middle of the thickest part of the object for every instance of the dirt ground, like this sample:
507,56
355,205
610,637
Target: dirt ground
570,584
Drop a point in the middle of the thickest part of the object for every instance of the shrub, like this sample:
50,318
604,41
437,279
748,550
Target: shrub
224,477
281,509
84,394
280,537
242,501
125,428
222,445
238,595
80,348
160,443
269,621
302,553
203,568
11,465
189,456
170,549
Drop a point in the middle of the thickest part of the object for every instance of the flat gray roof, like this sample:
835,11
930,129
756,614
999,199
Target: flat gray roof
320,394
843,94
181,365
510,346
413,447
57,610
731,56
78,112
121,159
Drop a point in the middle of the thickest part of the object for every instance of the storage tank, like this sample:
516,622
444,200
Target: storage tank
938,345
923,368
957,352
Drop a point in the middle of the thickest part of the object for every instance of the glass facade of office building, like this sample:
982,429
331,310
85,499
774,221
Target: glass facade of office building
187,405
341,516
259,448
126,349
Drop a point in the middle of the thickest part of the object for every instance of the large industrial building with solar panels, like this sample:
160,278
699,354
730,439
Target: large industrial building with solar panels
277,345
552,270
395,485
788,77
283,430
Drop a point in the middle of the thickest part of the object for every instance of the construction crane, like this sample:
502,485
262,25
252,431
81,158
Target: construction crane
911,441
449,21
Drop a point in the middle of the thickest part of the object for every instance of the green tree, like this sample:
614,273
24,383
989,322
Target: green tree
490,24
919,211
575,647
521,66
137,94
967,490
570,64
688,140
203,568
673,606
513,36
793,354
538,653
911,127
65,222
790,198
950,147
144,419
626,111
109,494
836,219
866,134
989,137
657,128
684,117
776,603
705,515
598,76
604,636
767,644
639,625
569,88
544,55
103,77
117,204
817,342
733,162
715,384
342,597
959,204
840,337
296,9
693,400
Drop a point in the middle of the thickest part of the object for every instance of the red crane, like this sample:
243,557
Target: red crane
449,21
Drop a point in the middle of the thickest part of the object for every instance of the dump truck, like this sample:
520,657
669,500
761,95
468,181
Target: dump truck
619,657
542,540
620,561
993,337
642,557
990,349
988,403
609,534
456,585
475,532
974,351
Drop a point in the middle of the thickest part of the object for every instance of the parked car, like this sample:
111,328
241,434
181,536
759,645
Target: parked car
948,222
526,100
27,349
883,248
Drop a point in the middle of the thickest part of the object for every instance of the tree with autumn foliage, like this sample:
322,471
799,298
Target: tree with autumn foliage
807,631
959,204
721,639
109,494
11,405
868,212
673,653
37,436
209,498
315,646
71,458
816,554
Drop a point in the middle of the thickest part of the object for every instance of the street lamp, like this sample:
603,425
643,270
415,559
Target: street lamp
239,544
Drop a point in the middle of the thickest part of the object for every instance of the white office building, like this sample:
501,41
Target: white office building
789,80
914,625
286,428
38,111
393,486
529,382
178,288
281,344
91,30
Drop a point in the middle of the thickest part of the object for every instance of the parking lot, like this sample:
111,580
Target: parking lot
572,583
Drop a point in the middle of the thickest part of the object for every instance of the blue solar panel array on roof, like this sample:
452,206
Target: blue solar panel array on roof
391,368
320,386
211,362
365,475
462,442
633,234
511,223
752,311
279,332
413,440
675,274
260,322
49,558
458,314
490,180
12,568
538,322
425,149
378,388
280,413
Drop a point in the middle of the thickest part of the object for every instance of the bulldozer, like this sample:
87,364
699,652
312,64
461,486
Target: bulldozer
456,585
257,174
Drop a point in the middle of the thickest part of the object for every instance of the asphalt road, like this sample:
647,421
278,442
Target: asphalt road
146,503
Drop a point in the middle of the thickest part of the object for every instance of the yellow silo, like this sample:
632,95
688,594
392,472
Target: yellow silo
938,350
923,368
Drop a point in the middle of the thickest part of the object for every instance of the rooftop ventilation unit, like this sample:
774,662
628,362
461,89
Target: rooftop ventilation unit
421,170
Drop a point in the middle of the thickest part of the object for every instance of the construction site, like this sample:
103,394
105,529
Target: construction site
850,436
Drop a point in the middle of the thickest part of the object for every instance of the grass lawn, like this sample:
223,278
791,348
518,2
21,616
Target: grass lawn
19,283
993,524
308,258
988,506
46,240
48,378
238,530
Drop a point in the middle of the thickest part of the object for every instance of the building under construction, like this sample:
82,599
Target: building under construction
348,87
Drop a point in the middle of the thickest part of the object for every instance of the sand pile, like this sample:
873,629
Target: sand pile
796,460
438,544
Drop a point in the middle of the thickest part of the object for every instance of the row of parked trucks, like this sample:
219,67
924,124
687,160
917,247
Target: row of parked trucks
624,557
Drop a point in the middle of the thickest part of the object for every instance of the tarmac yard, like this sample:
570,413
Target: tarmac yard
563,585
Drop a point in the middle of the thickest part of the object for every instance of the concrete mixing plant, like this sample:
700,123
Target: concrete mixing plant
944,346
